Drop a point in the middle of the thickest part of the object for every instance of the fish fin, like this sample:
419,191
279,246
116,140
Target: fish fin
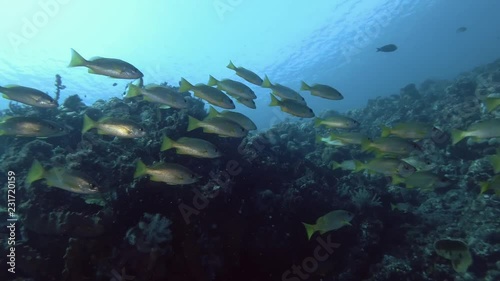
77,59
397,179
2,132
393,207
386,131
167,144
231,66
484,187
490,104
185,86
133,91
5,96
318,138
495,162
309,229
92,71
163,106
36,172
317,122
212,81
365,145
88,123
140,169
304,86
457,136
212,112
274,101
336,165
358,166
193,123
266,83
155,178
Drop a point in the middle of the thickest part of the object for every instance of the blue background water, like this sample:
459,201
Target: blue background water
330,42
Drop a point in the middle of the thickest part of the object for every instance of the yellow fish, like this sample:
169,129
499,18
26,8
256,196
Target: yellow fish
328,222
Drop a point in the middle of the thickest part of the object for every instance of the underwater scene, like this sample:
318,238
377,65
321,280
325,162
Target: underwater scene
250,140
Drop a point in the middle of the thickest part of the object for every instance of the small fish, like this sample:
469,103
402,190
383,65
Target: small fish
422,180
28,96
246,74
292,107
114,84
169,173
220,126
492,184
190,146
158,94
113,127
233,88
30,127
393,146
461,29
246,102
329,141
283,92
323,91
403,207
387,48
338,121
114,68
349,137
211,95
348,165
386,166
237,117
410,130
69,180
491,103
328,222
495,161
419,163
481,130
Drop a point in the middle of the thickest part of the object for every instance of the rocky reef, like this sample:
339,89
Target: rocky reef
242,220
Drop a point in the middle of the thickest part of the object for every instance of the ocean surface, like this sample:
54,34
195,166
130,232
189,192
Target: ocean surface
372,153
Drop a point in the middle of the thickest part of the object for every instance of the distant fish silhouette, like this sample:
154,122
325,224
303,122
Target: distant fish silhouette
461,29
387,48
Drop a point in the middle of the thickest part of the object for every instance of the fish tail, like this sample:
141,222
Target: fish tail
317,122
212,81
167,144
309,229
88,123
495,162
140,169
358,166
457,136
336,165
212,112
365,145
378,49
318,138
185,86
491,104
193,123
304,86
77,59
484,187
397,180
231,65
393,207
274,101
35,173
133,91
266,83
386,131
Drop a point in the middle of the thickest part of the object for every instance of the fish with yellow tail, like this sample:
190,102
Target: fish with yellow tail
328,222
191,146
246,74
169,173
113,127
322,91
205,92
482,130
491,103
392,146
219,126
114,68
233,88
410,130
292,107
158,94
73,181
385,166
28,96
19,126
237,117
423,180
337,122
283,92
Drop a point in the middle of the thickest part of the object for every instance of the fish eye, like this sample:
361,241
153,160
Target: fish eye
141,129
310,110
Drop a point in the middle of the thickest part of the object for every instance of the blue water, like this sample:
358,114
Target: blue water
330,42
